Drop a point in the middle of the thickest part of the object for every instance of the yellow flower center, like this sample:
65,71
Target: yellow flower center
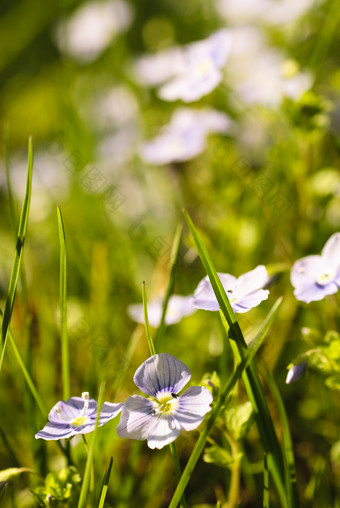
325,278
80,420
165,403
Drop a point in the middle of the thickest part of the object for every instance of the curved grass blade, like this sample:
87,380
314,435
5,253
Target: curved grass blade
228,387
288,455
105,485
63,309
252,383
146,321
89,461
18,255
159,337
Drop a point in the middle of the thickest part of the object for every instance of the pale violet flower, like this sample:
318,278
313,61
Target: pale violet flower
92,28
185,136
267,12
155,69
202,73
189,72
160,417
178,307
315,277
76,416
244,293
295,372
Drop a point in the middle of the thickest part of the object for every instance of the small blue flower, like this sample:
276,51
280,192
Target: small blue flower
160,418
185,136
202,70
315,277
295,372
76,416
244,293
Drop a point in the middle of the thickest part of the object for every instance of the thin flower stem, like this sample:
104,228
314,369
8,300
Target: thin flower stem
177,468
234,490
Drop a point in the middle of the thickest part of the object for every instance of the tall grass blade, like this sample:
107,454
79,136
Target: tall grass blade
146,321
265,482
228,387
63,309
288,454
18,255
252,383
105,485
159,337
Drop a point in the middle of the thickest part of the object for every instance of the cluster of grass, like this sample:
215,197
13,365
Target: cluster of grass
77,242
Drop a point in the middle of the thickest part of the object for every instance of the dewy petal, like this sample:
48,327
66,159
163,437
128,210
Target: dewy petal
137,416
193,405
161,372
331,253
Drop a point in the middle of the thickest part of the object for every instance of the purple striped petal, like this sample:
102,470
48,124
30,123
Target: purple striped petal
161,373
193,405
136,418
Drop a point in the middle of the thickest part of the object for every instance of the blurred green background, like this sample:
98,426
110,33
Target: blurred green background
268,192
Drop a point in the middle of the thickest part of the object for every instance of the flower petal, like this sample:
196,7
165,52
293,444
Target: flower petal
250,301
306,270
161,372
63,412
204,297
193,405
163,431
136,418
251,281
53,431
331,253
312,292
109,411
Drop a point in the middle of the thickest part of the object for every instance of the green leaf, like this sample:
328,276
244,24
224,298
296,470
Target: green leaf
63,309
219,456
239,420
12,472
18,255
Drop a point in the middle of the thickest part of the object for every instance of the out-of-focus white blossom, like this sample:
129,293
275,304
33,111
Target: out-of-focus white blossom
190,72
185,136
92,28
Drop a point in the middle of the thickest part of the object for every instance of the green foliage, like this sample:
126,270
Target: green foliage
60,490
239,419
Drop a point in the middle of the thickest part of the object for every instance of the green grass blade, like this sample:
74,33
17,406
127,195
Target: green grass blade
247,359
18,255
252,383
89,461
105,485
159,337
63,309
288,455
265,482
146,321
177,468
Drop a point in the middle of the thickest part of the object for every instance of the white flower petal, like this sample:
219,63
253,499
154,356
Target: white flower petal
251,281
161,372
193,405
331,253
164,431
136,418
